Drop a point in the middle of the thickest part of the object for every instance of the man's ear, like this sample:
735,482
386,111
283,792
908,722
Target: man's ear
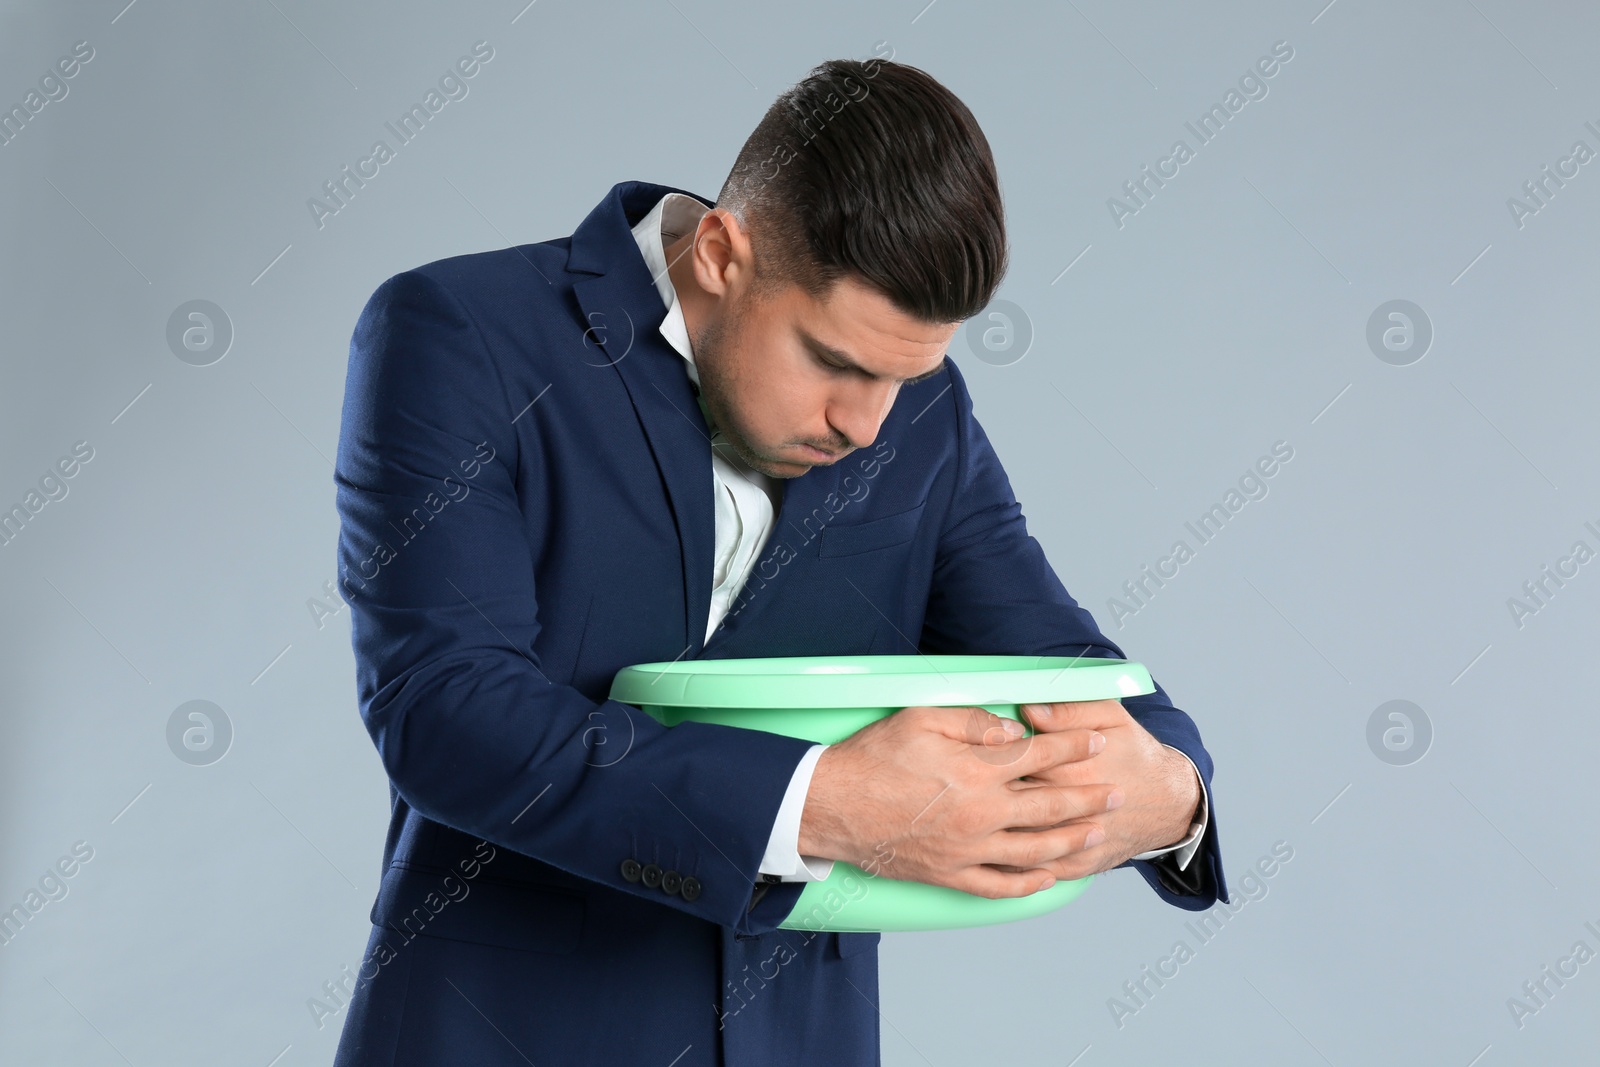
723,254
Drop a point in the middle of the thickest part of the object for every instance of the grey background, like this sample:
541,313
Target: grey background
1229,313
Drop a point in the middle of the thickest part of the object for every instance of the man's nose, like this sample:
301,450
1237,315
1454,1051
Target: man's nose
859,416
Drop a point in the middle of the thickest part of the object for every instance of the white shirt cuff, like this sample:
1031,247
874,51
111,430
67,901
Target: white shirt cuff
1197,829
783,857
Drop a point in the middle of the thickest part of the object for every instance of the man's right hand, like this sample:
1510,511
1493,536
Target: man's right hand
931,794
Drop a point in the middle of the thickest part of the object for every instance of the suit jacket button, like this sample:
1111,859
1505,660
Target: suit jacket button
690,888
671,881
651,875
631,869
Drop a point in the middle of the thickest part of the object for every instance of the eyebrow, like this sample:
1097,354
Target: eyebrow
843,357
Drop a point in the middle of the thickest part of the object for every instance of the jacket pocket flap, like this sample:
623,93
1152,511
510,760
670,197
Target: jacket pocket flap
850,538
849,944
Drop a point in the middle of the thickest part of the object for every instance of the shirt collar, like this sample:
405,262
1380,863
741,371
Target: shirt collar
673,216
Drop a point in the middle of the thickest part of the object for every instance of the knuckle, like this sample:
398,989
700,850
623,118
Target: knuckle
1069,867
1034,852
1055,748
1015,748
1080,802
1063,807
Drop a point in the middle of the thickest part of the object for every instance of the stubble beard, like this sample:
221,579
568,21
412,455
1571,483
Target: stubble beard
714,388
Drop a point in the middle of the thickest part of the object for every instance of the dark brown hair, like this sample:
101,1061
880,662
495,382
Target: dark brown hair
872,169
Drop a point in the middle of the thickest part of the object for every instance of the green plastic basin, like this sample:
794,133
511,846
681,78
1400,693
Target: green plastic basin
827,698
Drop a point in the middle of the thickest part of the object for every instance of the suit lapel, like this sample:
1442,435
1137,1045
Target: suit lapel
624,312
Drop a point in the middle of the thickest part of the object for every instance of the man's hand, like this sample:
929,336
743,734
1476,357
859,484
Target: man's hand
940,795
1155,794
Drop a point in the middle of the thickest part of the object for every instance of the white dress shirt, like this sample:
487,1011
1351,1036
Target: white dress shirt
746,503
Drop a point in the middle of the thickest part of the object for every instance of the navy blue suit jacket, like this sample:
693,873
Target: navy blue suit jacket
525,498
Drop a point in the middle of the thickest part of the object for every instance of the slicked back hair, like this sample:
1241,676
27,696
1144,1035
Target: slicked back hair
872,169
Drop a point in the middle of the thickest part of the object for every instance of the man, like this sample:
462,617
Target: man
689,432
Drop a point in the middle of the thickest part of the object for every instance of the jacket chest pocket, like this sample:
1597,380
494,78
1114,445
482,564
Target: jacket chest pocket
851,539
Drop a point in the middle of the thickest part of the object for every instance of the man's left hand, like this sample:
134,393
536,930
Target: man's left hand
1160,793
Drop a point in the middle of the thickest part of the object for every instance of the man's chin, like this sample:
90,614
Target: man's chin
774,468
781,468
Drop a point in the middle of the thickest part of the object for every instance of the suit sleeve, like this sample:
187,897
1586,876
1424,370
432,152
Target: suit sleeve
436,564
993,592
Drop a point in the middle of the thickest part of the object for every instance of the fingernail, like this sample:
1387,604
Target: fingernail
1041,710
1097,741
1014,728
1094,837
1048,882
1114,800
